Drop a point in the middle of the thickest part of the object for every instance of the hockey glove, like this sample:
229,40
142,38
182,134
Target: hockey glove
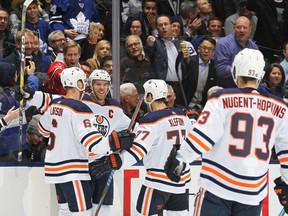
104,165
173,168
192,115
27,93
121,140
281,189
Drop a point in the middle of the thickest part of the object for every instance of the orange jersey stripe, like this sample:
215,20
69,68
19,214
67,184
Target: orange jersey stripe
62,168
283,160
42,131
134,148
238,183
95,137
146,207
199,142
80,197
162,176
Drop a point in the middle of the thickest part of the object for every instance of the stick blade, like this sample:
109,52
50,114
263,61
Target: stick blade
27,3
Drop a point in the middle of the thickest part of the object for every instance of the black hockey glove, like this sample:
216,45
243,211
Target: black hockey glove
192,115
121,140
173,168
281,189
104,165
28,93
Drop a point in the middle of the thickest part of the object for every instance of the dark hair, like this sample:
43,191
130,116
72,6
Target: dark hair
104,59
210,39
214,18
274,88
144,2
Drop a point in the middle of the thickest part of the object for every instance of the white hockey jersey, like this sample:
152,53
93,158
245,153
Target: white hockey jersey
156,133
71,136
236,132
107,117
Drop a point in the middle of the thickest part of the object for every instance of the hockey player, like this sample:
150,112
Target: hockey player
108,116
68,124
235,133
158,131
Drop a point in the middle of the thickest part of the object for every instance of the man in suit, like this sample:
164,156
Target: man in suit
201,74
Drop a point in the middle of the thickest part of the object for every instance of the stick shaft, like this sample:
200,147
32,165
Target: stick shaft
137,109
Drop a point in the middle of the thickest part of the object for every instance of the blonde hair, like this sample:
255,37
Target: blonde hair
97,48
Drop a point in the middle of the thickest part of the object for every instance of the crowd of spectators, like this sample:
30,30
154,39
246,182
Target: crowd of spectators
190,44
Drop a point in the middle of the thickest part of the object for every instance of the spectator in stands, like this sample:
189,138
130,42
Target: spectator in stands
242,11
43,10
42,62
214,29
228,46
284,62
177,27
129,8
169,7
201,75
15,15
36,147
103,48
147,17
96,34
56,41
106,63
70,58
163,52
15,58
274,80
7,43
36,24
268,36
205,13
136,66
171,97
10,136
73,17
189,15
128,99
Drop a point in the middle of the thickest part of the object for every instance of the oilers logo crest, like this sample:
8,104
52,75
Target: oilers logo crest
102,125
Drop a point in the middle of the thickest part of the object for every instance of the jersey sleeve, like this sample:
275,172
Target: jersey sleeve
281,148
42,100
144,140
208,129
55,15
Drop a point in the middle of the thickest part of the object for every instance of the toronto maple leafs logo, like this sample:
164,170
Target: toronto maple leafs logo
80,24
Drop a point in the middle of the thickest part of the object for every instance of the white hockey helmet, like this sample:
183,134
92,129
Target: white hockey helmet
99,74
248,63
157,88
70,76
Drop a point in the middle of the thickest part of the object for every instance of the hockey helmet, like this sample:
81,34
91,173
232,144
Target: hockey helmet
248,63
99,74
157,88
70,77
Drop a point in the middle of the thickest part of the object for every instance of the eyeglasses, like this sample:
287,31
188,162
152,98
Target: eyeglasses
5,19
135,27
59,40
133,44
204,48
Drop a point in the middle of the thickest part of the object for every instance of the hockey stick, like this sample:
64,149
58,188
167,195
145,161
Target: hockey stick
282,212
21,113
137,109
